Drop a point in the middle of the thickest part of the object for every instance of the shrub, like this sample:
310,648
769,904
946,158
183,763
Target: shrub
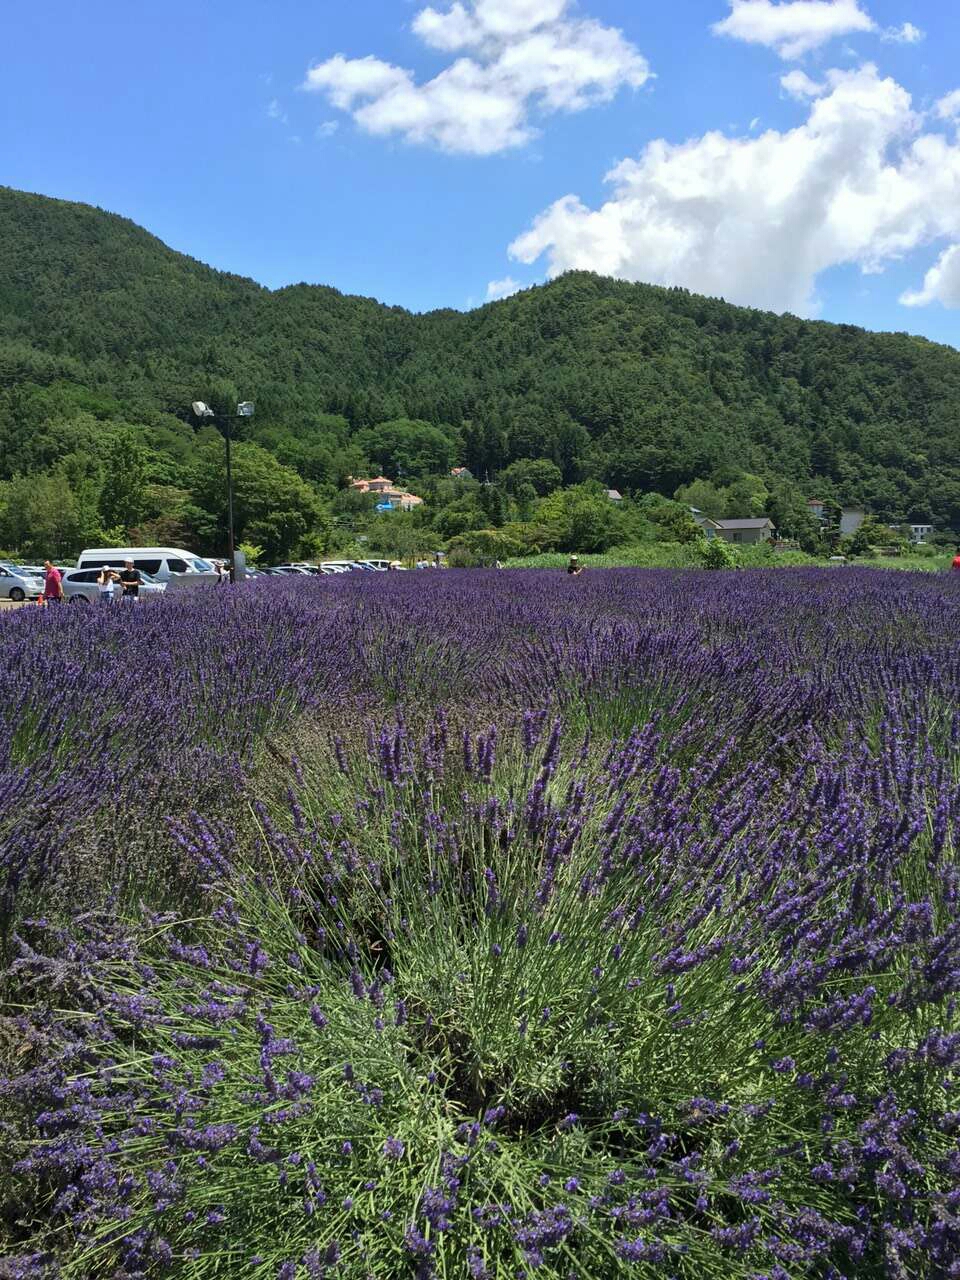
715,553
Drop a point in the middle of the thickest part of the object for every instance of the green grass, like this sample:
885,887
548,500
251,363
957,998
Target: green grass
675,555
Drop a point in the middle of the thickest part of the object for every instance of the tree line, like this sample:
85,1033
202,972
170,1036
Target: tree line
106,336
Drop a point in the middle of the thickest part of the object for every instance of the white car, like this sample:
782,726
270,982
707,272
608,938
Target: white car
19,583
181,569
80,586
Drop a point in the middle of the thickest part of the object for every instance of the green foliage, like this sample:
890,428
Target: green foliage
705,496
581,519
106,336
669,521
540,473
717,554
871,534
273,507
404,449
252,553
123,495
746,498
39,515
483,546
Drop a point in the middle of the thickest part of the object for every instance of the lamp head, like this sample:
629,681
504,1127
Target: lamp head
245,409
201,410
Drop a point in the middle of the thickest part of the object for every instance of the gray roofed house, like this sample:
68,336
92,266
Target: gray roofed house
743,532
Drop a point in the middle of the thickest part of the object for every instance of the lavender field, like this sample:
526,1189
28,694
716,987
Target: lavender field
480,924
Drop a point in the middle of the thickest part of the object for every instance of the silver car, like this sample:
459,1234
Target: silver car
80,586
18,583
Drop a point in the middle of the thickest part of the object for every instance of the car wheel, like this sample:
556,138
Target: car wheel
18,594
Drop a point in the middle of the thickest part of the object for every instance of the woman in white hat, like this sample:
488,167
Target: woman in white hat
105,582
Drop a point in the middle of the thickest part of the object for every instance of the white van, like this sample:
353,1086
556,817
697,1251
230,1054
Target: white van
172,565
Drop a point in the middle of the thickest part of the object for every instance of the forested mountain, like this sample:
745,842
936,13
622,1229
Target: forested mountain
642,388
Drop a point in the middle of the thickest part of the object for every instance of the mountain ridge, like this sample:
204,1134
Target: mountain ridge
641,386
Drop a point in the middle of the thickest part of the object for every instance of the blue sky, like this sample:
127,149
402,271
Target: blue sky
797,154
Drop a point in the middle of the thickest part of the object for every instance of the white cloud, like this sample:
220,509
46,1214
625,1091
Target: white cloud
276,112
757,220
327,128
497,289
907,34
800,86
941,284
793,27
518,57
948,108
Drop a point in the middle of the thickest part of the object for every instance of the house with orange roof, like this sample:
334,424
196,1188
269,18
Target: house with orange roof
387,492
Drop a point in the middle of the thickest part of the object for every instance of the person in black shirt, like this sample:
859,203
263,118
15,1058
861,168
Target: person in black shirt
130,580
574,568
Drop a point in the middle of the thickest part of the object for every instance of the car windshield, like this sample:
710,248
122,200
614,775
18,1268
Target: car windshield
200,566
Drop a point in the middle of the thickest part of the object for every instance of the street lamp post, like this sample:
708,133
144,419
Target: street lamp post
204,413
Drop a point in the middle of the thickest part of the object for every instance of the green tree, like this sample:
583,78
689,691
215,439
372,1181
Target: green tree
705,496
671,521
787,507
715,553
543,475
483,547
871,534
581,518
746,498
409,448
273,507
123,497
39,517
459,517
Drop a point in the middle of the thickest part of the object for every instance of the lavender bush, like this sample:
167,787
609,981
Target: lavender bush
589,929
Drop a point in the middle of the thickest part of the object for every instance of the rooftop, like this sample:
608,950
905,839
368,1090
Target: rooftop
763,522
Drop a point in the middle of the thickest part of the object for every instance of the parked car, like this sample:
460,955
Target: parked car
179,568
19,583
293,570
80,585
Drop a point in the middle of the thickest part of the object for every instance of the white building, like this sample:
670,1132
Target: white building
919,533
851,518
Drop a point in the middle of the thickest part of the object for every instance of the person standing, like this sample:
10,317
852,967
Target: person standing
956,561
105,583
131,582
52,584
574,568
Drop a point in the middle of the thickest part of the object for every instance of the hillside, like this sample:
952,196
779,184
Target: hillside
641,387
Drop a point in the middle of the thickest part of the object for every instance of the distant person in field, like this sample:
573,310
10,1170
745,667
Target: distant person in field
52,584
574,568
131,582
222,575
105,583
956,561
